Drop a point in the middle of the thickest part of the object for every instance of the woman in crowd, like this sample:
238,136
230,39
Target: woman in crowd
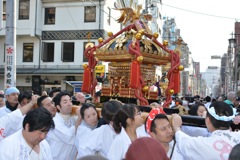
197,110
125,123
89,122
102,137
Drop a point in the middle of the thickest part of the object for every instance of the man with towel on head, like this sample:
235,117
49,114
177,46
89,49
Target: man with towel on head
11,96
219,144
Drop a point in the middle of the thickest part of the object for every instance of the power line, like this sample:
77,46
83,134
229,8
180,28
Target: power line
206,14
71,15
102,9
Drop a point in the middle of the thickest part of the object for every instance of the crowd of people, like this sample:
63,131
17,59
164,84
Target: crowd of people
44,127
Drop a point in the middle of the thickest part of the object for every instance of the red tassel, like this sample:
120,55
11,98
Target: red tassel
134,75
86,86
176,81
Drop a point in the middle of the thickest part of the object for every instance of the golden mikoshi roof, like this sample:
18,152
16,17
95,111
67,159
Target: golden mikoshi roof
117,49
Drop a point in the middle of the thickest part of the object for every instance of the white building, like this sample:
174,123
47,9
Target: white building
212,78
51,35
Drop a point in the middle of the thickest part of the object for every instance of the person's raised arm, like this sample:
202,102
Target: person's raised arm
30,105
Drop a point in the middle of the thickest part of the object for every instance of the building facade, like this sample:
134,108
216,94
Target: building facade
51,36
50,40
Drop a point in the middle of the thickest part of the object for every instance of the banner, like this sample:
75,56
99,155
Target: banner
10,69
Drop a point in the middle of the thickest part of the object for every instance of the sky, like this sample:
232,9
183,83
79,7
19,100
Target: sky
205,35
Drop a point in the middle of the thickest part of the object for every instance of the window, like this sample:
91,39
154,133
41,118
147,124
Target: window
68,52
90,14
49,15
28,52
24,9
48,52
85,59
4,10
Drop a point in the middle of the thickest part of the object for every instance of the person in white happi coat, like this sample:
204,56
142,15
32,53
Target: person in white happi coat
216,146
12,122
160,129
89,123
100,139
16,124
29,143
61,138
24,98
47,102
11,104
125,123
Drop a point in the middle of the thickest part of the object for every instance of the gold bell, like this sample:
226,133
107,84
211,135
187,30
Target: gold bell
140,59
85,66
181,68
100,40
145,89
171,91
110,34
165,43
138,36
155,35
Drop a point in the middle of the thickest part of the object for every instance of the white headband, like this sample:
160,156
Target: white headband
222,118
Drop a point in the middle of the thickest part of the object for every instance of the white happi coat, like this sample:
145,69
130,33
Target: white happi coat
61,139
15,147
215,147
10,123
99,141
195,131
141,132
176,155
119,146
83,137
4,110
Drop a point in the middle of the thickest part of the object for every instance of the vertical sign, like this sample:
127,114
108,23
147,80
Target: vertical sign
10,69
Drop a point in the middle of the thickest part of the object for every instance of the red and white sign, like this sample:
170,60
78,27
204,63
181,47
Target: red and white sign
10,68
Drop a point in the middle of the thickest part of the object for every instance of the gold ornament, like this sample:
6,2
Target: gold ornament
110,34
171,91
100,40
155,35
85,66
140,59
89,44
138,36
145,89
165,43
141,31
181,68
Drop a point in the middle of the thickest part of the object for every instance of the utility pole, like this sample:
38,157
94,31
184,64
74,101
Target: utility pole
1,14
10,50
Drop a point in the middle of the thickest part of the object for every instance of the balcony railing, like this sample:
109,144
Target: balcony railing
46,66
